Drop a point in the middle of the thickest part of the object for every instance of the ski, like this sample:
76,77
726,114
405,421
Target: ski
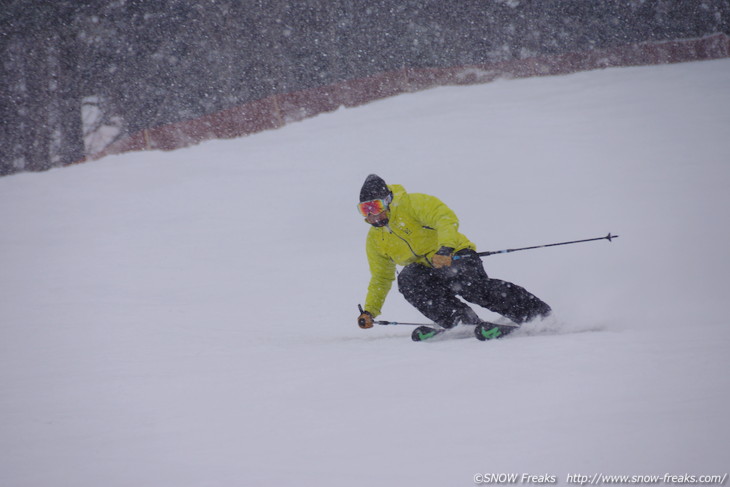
482,331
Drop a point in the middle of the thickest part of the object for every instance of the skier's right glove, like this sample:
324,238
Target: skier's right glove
365,320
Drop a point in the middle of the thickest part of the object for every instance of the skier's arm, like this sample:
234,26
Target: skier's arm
382,274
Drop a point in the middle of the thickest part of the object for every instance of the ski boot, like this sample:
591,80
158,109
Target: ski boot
491,331
423,333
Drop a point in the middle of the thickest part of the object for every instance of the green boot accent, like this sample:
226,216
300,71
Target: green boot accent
484,333
424,333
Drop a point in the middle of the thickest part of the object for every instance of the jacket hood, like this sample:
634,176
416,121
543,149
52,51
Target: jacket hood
398,192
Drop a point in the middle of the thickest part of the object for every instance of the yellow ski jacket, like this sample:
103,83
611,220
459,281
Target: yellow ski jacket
419,225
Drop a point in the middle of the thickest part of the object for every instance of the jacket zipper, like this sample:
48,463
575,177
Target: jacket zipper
407,243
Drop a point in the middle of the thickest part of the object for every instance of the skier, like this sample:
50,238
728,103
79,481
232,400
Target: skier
421,233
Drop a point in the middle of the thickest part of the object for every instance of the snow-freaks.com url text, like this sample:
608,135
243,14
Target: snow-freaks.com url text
601,479
667,478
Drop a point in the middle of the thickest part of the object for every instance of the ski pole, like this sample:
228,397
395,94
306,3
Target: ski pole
608,237
430,325
383,322
434,325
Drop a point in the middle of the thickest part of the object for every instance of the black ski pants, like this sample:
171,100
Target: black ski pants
434,292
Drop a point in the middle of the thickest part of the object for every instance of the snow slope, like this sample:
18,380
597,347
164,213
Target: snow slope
188,318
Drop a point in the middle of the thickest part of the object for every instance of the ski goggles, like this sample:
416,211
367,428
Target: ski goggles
373,207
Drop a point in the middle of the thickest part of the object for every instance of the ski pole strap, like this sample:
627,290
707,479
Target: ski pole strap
608,237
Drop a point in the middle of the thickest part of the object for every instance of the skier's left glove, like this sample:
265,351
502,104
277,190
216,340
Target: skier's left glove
442,258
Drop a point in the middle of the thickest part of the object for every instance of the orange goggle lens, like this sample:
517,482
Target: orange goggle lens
373,207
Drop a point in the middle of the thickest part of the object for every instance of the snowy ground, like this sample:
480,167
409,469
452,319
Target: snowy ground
188,318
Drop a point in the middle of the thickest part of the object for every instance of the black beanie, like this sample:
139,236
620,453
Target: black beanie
374,188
